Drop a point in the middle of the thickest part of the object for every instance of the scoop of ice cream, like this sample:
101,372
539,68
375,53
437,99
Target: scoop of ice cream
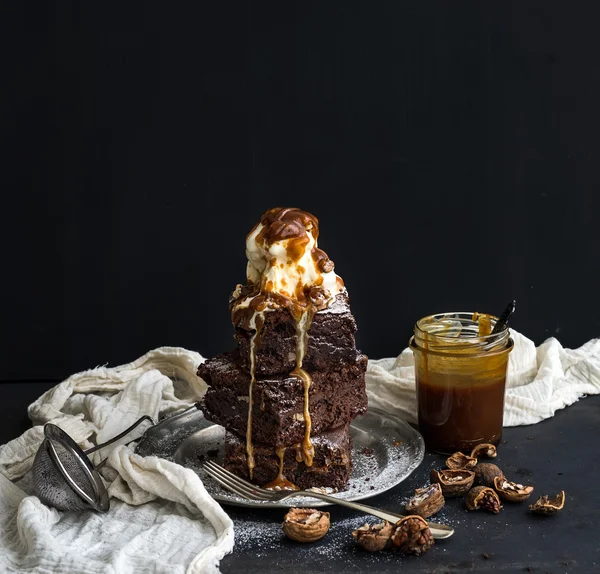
283,256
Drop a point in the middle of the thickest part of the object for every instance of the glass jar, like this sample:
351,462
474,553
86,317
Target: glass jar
460,370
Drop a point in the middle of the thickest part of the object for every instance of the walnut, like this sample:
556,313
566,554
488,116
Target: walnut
546,505
483,497
459,461
373,538
427,501
412,535
511,491
326,265
485,473
453,482
484,449
319,297
305,524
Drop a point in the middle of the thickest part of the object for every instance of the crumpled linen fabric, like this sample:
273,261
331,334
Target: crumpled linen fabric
539,382
161,518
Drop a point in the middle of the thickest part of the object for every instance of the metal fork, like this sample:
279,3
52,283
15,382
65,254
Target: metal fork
248,490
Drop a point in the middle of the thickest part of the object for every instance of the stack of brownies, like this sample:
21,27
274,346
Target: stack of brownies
288,393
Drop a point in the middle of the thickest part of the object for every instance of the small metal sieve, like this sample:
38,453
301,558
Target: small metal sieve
63,475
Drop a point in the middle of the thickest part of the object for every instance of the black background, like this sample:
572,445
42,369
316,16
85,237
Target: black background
450,150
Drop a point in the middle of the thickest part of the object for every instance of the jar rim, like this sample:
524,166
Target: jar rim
445,338
439,351
466,315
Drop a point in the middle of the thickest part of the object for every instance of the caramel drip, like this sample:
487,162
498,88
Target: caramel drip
249,445
484,324
280,482
302,327
254,342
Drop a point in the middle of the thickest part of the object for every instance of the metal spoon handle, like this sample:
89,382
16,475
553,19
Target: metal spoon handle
503,319
121,435
437,530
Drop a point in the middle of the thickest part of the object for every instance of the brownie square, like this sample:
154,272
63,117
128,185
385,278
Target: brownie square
331,343
331,465
335,398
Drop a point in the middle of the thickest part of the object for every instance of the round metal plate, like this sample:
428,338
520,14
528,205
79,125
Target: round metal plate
385,451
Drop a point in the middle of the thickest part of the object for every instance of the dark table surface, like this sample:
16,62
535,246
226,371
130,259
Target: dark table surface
558,454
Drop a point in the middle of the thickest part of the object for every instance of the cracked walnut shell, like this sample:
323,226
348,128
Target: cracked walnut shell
453,482
511,491
484,449
546,505
412,535
483,497
373,538
305,524
427,501
458,461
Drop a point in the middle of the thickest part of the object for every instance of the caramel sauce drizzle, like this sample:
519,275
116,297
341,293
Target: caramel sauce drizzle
249,445
280,482
302,327
254,341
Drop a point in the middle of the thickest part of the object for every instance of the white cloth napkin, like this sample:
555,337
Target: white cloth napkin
539,381
161,518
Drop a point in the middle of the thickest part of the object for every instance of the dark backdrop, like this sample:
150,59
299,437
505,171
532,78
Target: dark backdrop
451,151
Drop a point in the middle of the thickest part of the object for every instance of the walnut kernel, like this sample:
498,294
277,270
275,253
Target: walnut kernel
483,497
412,535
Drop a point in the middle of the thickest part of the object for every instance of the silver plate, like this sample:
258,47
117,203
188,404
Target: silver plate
385,451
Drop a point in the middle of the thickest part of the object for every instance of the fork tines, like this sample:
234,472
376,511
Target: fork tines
236,484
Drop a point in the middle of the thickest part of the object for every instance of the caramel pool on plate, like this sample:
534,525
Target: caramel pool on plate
460,370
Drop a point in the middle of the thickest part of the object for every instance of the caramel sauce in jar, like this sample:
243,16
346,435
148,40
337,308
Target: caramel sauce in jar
460,371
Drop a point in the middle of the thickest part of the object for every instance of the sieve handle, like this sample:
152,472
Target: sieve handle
121,435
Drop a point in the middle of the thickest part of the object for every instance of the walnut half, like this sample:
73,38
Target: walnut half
458,461
453,482
427,501
483,497
511,491
305,524
373,538
484,449
546,505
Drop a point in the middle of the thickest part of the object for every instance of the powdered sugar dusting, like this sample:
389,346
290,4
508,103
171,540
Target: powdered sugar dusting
385,451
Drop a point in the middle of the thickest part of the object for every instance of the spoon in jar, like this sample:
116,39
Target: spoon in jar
502,322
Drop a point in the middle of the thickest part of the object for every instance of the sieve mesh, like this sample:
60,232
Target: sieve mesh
49,484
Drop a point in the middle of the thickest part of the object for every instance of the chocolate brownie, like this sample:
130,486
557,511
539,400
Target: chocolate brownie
335,398
331,341
331,464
